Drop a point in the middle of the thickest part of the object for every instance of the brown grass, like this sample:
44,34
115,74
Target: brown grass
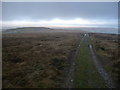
106,46
36,60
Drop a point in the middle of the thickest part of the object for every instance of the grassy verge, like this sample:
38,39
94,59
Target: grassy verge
86,75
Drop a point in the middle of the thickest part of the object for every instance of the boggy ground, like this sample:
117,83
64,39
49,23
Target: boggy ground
38,60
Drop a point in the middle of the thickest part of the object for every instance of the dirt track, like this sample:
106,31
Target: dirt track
108,81
70,77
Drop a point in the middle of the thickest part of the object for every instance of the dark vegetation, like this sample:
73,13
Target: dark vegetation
107,48
36,60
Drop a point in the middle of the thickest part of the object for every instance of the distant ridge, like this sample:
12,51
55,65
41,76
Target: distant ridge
27,30
38,30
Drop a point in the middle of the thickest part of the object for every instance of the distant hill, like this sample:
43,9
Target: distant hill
28,30
37,30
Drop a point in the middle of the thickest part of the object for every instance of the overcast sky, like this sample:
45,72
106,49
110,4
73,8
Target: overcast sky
60,13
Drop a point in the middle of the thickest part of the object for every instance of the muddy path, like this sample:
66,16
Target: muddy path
69,83
106,77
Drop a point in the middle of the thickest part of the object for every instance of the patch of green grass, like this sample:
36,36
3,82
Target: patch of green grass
86,75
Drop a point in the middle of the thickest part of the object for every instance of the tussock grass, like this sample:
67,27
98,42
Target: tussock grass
36,60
